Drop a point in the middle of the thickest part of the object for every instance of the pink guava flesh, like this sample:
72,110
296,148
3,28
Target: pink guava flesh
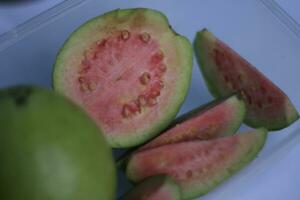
260,94
227,72
220,119
197,166
120,78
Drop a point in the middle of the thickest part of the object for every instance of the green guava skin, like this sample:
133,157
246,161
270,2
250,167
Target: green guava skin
50,149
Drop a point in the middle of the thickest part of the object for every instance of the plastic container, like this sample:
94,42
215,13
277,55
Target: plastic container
258,29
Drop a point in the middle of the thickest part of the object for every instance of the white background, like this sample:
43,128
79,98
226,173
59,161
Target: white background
271,187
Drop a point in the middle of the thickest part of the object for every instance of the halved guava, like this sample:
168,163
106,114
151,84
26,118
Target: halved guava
217,119
129,70
225,72
160,187
197,166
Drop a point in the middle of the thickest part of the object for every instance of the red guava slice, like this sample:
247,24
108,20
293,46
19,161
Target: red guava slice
198,166
158,187
225,72
218,118
129,70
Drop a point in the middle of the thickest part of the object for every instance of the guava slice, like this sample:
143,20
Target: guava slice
158,187
50,149
216,119
225,72
198,166
129,70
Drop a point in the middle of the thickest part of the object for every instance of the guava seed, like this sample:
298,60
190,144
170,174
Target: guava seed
84,87
126,112
92,86
145,78
157,57
101,43
162,67
81,79
152,101
145,37
125,35
142,100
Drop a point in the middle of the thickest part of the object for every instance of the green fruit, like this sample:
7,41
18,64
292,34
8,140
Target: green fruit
226,72
129,70
197,166
154,188
50,149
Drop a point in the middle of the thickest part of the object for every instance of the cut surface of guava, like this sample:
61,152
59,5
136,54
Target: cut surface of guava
50,149
129,70
158,187
225,72
198,166
217,119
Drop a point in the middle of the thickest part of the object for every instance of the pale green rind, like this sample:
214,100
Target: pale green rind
157,184
203,43
239,164
240,112
291,116
204,38
184,50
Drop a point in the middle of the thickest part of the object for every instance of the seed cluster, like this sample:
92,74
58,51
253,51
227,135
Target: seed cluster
150,80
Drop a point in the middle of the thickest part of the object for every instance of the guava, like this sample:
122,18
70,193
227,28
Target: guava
197,166
50,149
130,72
225,72
216,119
158,187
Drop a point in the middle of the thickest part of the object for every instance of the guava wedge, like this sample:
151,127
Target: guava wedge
129,70
158,187
50,149
225,72
198,166
216,119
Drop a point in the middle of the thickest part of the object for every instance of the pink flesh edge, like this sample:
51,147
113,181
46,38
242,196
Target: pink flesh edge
209,124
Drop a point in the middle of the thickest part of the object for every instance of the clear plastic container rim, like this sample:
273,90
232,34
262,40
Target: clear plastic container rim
19,32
